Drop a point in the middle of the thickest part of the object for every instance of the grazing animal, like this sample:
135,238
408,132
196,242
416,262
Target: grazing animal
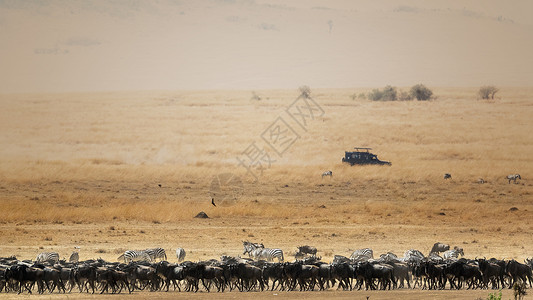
47,256
481,181
250,247
303,250
439,247
453,254
135,255
75,256
447,176
362,254
269,254
413,255
180,254
513,177
259,252
327,173
156,253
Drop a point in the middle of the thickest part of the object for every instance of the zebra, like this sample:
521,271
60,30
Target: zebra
388,257
180,254
250,247
135,255
513,177
269,254
447,176
327,173
52,257
75,256
413,255
439,247
453,253
362,254
259,252
156,253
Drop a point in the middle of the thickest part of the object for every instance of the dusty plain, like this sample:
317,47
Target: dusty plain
115,171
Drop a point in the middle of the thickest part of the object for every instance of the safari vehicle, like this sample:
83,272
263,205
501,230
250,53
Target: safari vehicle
362,156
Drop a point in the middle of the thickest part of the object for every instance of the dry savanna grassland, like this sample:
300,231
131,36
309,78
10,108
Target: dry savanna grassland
115,171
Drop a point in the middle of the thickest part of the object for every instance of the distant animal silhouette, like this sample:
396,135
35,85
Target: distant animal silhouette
327,173
447,176
159,185
513,177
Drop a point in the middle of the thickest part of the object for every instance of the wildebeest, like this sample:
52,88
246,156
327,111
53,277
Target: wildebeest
490,272
439,247
303,250
517,271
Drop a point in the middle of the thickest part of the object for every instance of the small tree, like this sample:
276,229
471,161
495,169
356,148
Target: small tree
375,95
404,96
255,96
305,92
488,91
421,92
389,93
519,290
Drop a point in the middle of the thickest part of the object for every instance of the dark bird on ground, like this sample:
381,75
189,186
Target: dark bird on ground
213,201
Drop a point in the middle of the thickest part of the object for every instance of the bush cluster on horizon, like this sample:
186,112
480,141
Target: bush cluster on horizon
487,91
390,93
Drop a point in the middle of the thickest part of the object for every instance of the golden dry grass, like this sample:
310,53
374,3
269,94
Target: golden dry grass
84,169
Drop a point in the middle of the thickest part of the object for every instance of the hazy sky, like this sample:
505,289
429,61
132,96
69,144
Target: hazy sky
69,45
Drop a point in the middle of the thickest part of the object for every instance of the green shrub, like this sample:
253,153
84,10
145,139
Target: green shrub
404,96
421,92
389,93
487,91
494,296
375,95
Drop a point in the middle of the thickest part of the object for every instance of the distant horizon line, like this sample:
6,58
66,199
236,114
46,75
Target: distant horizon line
248,89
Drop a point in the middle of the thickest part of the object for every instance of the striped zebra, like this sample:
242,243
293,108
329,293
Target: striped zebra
269,254
156,253
513,177
249,248
453,253
362,255
51,257
259,252
413,255
135,255
180,254
327,173
74,257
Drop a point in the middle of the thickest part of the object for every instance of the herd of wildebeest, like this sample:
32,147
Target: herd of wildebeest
264,269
